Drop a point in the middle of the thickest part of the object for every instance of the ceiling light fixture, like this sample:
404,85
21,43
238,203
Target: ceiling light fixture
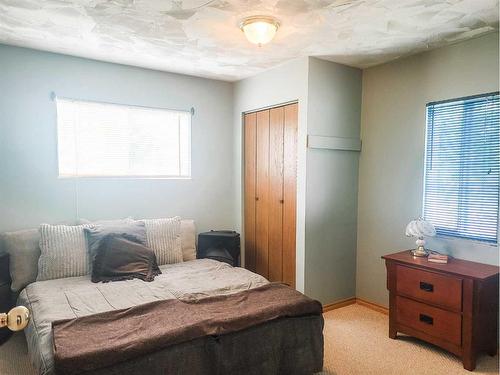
259,29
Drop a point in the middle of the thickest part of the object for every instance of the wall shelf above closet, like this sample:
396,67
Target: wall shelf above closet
333,143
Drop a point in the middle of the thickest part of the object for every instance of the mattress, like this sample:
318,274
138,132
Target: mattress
77,296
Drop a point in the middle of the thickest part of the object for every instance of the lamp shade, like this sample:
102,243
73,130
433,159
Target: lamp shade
420,228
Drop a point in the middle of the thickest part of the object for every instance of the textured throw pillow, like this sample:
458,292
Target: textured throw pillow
134,230
24,251
63,252
164,238
118,258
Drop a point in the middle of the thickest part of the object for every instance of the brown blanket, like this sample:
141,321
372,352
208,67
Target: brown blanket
112,337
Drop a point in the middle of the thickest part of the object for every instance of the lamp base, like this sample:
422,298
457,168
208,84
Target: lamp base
419,252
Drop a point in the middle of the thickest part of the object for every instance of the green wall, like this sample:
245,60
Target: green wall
392,158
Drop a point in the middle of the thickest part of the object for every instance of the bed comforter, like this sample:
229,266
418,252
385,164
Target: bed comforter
70,298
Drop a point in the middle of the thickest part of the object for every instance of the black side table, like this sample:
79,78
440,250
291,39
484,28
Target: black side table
5,294
221,245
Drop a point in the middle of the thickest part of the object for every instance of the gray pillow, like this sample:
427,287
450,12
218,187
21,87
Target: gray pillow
134,230
24,251
63,252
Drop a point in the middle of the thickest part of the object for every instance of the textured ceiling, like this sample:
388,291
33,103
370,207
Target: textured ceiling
201,37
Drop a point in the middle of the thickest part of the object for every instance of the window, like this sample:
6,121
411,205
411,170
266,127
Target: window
110,140
462,167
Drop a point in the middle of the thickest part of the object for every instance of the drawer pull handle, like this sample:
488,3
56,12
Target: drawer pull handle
426,319
426,287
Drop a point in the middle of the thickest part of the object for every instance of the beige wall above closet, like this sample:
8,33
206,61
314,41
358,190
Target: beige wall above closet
270,142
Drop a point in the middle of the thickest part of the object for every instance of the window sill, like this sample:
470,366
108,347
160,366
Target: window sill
123,178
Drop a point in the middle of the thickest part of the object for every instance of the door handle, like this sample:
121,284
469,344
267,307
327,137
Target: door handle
426,319
282,201
426,287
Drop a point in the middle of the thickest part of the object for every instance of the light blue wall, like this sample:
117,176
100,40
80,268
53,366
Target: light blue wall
31,193
334,109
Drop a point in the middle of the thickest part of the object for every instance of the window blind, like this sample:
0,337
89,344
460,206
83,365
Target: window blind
111,140
461,189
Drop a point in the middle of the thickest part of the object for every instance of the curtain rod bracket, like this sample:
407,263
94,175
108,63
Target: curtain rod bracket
192,111
53,96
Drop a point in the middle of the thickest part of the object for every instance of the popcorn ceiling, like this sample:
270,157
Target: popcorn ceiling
202,38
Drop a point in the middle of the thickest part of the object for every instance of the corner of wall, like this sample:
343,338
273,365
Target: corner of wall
334,106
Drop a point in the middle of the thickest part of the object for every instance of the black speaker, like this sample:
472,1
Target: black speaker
221,245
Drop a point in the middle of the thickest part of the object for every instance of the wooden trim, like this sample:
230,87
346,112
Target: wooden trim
339,304
358,301
373,306
290,127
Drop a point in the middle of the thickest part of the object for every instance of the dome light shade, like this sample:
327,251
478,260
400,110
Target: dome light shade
259,29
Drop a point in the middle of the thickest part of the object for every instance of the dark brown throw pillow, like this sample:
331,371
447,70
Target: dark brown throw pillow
118,258
132,230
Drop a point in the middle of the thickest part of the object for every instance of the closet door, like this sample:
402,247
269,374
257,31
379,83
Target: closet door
270,192
262,195
289,192
275,243
250,193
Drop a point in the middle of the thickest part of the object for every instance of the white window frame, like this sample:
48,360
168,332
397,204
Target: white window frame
449,237
187,176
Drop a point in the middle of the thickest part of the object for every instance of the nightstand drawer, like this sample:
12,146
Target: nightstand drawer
443,291
433,321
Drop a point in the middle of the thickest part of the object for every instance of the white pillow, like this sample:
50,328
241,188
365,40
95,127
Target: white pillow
63,251
188,239
164,238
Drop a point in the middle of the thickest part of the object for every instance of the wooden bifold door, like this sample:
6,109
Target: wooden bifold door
270,192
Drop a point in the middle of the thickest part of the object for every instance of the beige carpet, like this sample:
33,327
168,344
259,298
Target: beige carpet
356,342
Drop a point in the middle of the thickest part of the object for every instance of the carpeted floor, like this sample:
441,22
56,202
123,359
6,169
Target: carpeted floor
356,342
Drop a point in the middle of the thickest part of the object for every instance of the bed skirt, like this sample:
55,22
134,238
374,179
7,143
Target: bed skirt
291,346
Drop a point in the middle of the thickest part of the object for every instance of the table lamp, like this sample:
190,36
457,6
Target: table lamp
420,228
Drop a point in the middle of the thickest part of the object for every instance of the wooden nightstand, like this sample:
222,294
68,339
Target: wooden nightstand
5,294
453,305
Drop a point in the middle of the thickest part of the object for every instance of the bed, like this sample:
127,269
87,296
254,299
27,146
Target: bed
291,345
